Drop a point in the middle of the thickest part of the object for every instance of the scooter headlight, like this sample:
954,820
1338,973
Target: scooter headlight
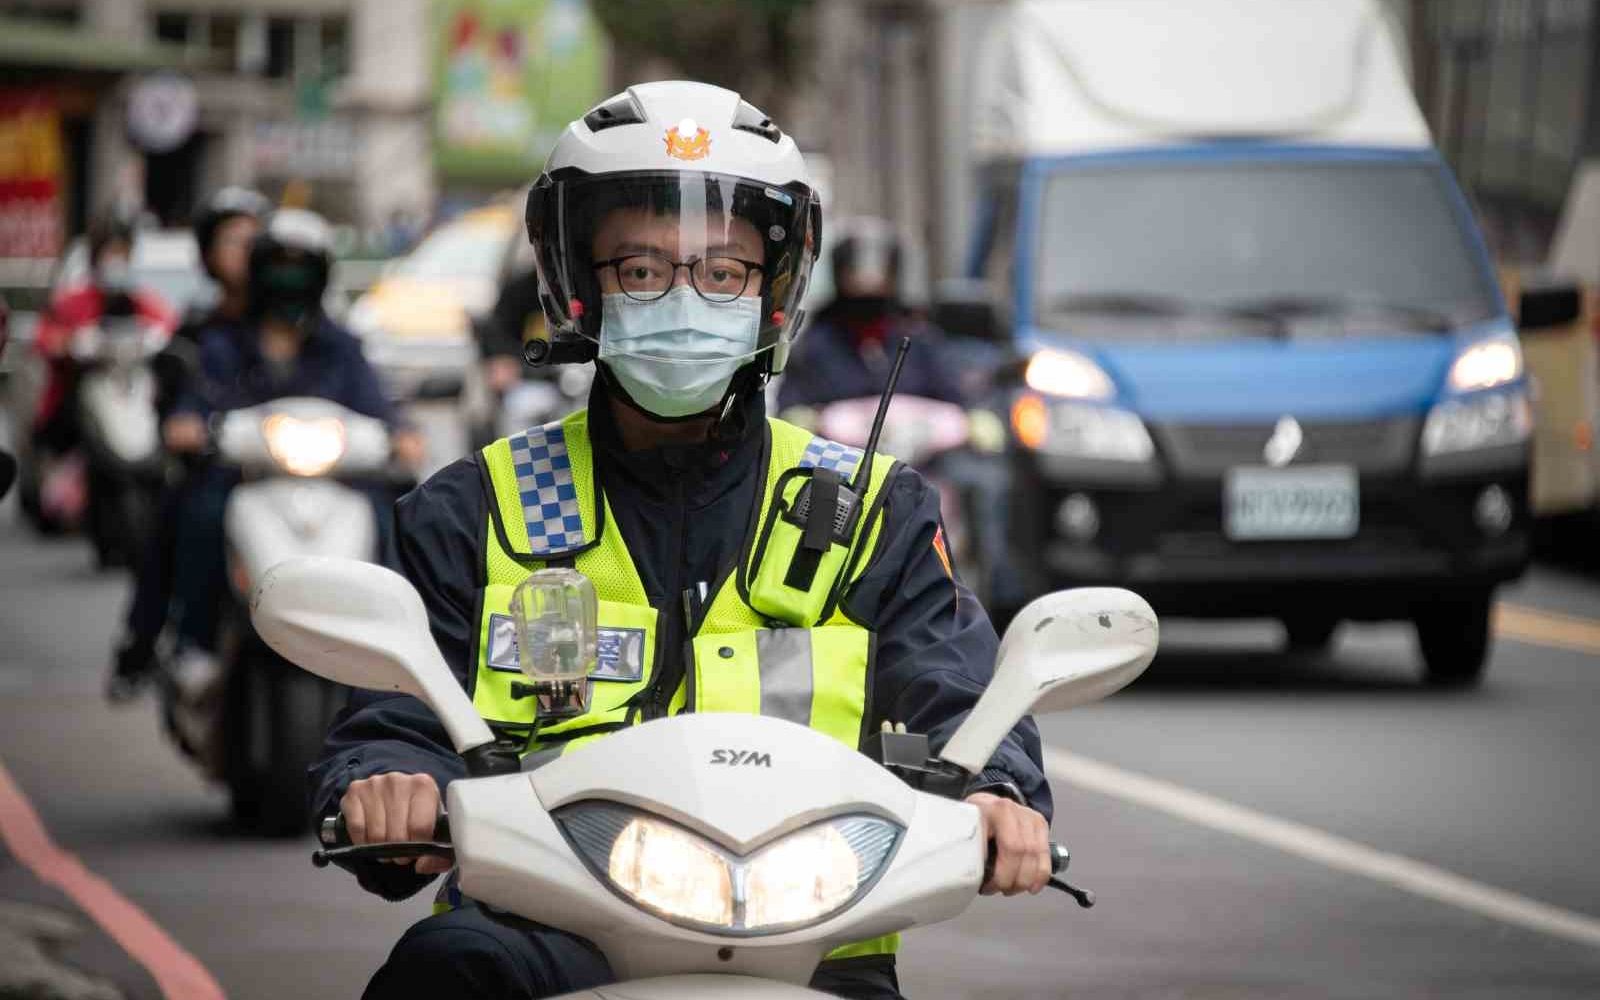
799,879
304,447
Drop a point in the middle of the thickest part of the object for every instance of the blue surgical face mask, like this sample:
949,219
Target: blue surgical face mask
676,355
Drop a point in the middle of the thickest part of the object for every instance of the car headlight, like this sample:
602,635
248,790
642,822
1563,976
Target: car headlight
1080,430
1487,421
304,447
799,879
1068,374
1486,364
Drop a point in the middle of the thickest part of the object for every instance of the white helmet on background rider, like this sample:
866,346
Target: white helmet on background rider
717,171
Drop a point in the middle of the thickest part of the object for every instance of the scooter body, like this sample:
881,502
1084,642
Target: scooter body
263,720
116,400
706,855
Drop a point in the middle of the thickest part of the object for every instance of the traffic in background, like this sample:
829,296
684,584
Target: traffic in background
1232,333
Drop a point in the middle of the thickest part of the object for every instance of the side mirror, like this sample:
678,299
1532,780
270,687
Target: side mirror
1547,307
962,308
362,625
1065,649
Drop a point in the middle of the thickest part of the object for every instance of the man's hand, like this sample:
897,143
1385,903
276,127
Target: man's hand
388,808
1021,841
184,433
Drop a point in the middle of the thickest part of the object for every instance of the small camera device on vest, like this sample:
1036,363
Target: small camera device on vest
557,621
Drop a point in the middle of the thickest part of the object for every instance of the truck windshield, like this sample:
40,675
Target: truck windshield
1191,251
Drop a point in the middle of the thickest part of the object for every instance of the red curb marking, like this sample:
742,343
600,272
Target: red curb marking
178,973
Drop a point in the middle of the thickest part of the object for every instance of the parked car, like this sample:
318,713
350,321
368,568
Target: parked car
416,321
1266,370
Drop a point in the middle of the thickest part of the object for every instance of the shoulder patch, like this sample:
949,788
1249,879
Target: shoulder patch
549,498
821,453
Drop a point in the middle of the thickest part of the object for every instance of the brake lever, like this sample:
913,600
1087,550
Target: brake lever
382,852
1084,897
1060,858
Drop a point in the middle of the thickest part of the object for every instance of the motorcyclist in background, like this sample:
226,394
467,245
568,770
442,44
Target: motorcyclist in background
846,351
285,346
224,228
108,289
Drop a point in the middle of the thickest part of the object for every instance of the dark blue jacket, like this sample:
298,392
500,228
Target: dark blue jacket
232,373
826,365
683,512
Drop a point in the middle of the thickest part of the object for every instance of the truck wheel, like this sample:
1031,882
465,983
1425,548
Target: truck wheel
1454,637
1309,633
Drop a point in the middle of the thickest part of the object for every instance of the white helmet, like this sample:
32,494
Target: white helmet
676,149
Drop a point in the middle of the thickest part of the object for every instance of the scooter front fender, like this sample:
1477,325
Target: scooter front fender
701,987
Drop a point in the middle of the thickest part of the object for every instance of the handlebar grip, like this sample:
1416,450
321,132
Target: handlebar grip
333,832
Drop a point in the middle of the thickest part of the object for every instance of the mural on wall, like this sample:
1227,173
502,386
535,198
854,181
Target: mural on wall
510,75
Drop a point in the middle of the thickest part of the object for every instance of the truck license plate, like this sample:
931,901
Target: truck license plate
1311,501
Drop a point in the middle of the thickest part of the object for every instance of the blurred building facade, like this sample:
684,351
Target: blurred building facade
328,101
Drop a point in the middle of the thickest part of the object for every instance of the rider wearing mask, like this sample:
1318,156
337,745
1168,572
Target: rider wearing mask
850,345
675,231
286,346
108,289
224,228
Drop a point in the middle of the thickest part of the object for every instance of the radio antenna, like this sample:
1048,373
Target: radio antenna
864,470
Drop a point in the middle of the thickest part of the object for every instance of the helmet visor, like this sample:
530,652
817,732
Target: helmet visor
713,241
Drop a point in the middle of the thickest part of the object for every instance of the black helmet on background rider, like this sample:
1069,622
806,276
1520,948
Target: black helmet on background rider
228,203
290,262
866,259
725,199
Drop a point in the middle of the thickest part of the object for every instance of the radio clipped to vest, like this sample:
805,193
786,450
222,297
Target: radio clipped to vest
804,547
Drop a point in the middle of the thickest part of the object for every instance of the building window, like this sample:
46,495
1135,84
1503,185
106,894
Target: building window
172,28
40,10
280,48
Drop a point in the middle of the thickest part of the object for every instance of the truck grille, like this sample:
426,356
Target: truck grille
1211,449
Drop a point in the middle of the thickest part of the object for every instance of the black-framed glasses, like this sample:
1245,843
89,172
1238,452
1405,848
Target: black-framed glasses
645,277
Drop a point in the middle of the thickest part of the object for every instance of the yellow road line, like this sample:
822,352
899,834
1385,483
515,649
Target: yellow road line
1546,628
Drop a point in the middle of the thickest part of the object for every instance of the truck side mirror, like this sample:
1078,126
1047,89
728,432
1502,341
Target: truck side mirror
1548,307
962,308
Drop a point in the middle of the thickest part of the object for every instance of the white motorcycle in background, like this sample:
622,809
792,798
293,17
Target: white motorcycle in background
247,717
961,453
705,855
116,396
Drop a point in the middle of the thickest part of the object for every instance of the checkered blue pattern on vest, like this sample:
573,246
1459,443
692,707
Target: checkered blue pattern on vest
821,453
549,498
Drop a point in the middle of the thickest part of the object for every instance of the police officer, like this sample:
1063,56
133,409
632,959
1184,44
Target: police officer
675,231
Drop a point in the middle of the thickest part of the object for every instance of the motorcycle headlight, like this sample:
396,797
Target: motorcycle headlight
304,447
1487,421
799,879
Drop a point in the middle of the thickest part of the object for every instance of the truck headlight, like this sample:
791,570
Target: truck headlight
1080,430
1486,364
1485,421
799,879
1067,374
304,447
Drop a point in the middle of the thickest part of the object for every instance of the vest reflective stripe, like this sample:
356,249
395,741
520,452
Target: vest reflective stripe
786,681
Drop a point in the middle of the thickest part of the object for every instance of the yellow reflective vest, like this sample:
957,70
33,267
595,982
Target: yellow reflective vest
798,658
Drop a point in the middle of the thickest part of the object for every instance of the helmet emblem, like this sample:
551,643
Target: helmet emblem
687,141
1285,442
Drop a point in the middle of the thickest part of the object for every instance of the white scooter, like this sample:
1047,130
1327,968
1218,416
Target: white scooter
248,718
116,397
705,855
